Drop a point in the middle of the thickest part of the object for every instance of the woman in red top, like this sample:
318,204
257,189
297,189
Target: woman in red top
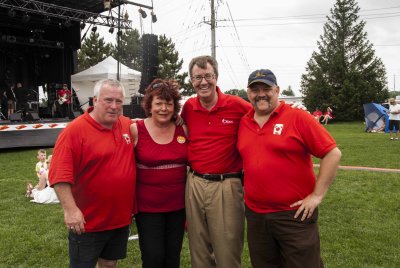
161,158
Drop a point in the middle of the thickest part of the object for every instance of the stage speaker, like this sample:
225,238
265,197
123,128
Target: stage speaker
74,115
150,60
16,117
137,111
127,111
32,117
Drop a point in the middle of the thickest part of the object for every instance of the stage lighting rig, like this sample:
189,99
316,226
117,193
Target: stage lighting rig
11,13
143,13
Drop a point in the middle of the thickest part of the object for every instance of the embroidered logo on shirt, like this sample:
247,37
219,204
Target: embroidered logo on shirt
278,129
180,139
127,138
226,121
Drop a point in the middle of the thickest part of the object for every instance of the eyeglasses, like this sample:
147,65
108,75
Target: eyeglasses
208,77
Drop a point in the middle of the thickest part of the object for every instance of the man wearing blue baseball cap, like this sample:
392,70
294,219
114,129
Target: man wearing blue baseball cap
282,193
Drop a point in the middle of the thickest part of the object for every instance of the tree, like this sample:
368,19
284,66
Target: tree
288,92
93,50
169,64
238,92
344,73
130,49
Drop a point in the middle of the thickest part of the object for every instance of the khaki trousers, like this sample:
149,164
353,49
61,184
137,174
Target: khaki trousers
215,217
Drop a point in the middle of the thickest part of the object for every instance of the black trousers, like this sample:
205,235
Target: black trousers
160,238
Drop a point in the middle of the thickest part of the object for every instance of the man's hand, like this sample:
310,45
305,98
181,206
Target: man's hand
74,220
307,206
179,120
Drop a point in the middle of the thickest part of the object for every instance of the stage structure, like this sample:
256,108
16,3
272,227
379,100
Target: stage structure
39,41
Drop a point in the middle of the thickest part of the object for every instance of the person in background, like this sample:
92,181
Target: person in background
394,118
282,191
327,115
317,114
21,94
41,166
94,175
10,100
40,193
64,101
161,159
3,105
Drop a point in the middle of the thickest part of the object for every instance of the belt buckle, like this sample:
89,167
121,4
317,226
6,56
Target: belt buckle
221,177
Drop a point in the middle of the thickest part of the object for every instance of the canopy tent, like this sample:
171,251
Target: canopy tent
84,81
376,118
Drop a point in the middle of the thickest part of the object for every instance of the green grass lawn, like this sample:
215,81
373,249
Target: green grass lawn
359,218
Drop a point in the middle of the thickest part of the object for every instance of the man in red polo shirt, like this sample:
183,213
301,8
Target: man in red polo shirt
93,172
282,191
214,194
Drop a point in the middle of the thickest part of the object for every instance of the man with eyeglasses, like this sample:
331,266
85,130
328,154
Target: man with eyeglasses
214,194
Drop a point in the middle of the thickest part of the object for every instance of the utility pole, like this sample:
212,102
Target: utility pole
212,29
119,43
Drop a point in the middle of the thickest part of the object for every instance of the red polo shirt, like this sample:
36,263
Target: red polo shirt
213,134
278,170
100,165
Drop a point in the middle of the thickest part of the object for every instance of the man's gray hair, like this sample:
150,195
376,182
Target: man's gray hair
109,82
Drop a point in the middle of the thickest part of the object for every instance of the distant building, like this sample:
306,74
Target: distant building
291,99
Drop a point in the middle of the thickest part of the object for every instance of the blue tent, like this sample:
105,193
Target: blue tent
376,117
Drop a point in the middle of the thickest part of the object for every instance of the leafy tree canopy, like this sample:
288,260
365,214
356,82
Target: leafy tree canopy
93,50
288,92
130,49
344,73
238,92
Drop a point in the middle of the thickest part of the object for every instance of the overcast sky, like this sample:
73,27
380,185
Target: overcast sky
279,35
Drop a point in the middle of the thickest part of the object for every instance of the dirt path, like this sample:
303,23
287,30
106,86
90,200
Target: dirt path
391,170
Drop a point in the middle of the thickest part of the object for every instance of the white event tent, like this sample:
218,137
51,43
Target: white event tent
84,81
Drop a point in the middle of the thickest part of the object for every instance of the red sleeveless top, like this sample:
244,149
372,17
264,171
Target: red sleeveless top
161,171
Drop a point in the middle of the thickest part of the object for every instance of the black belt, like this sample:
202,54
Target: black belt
217,177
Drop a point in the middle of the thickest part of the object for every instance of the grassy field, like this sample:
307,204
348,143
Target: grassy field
359,218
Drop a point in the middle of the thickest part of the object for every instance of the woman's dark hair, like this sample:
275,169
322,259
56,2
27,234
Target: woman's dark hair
164,89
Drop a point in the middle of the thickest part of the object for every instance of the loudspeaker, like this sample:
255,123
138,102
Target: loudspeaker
127,111
32,117
15,117
150,60
74,115
137,111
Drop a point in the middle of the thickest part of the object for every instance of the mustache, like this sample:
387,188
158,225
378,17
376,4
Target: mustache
258,98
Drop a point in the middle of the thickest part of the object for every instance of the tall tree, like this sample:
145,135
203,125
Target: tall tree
130,49
93,50
344,73
288,92
169,64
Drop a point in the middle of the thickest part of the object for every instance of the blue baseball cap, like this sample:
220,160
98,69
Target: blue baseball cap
262,76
